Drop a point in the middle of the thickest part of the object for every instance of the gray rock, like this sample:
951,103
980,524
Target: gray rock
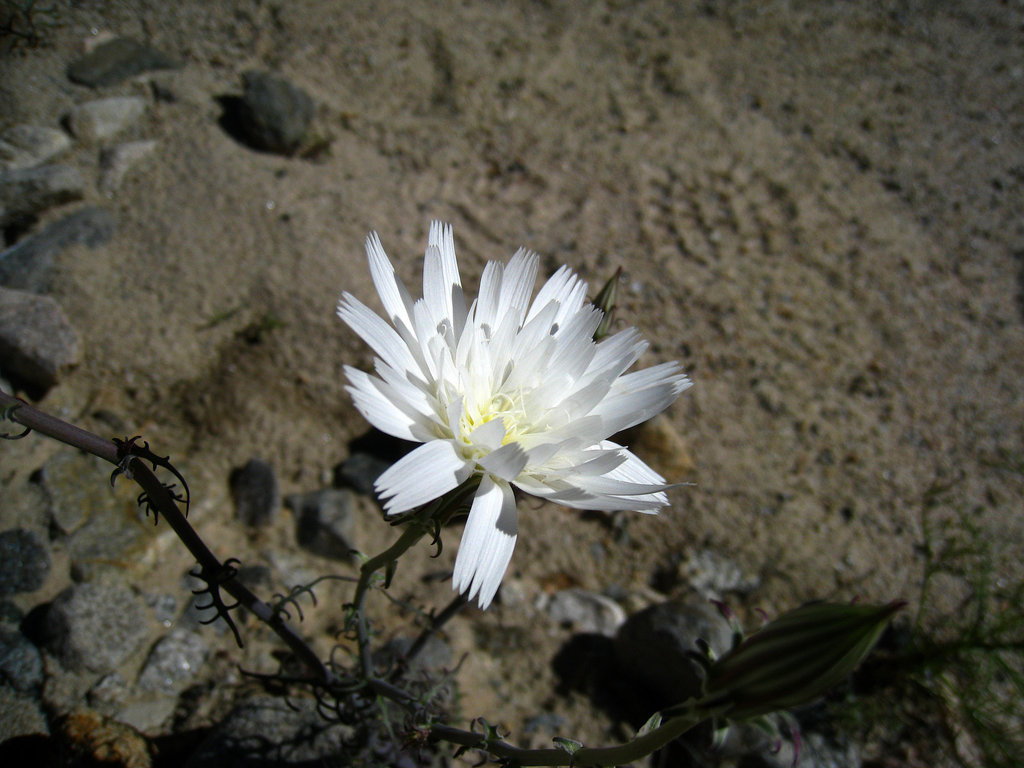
106,532
324,522
164,607
24,561
117,161
20,715
652,647
28,264
71,495
29,191
25,146
174,662
116,61
255,492
586,611
84,614
37,344
820,751
109,694
274,115
435,654
712,576
21,665
97,120
265,731
360,471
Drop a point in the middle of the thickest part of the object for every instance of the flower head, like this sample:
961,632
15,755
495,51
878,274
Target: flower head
514,392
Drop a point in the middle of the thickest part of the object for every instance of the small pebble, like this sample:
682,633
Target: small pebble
115,61
97,120
24,561
255,492
28,192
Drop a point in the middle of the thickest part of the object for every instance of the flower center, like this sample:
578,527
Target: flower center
508,408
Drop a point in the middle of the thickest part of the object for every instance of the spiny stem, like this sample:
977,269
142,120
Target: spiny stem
162,500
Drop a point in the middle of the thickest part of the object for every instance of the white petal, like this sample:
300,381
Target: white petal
563,287
506,462
442,286
638,396
429,471
384,408
487,542
489,296
382,338
517,284
489,435
393,294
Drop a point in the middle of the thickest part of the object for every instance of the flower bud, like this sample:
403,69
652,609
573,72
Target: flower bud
795,658
606,300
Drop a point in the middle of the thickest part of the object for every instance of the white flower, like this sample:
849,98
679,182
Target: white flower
517,393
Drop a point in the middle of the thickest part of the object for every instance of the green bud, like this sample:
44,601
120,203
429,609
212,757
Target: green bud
605,301
795,658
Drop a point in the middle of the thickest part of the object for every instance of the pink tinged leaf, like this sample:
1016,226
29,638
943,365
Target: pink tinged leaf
429,471
487,542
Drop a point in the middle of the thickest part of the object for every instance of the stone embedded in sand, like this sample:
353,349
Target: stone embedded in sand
117,60
255,492
27,265
83,613
653,648
96,120
37,343
324,522
26,146
173,662
273,114
115,162
29,191
24,562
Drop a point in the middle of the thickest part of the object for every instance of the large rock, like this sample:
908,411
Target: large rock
37,343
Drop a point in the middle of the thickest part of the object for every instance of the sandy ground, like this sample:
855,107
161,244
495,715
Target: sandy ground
817,207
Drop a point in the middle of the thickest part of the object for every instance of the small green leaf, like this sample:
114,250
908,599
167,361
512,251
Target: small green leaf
568,745
653,723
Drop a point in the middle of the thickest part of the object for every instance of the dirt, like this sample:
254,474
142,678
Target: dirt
816,207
